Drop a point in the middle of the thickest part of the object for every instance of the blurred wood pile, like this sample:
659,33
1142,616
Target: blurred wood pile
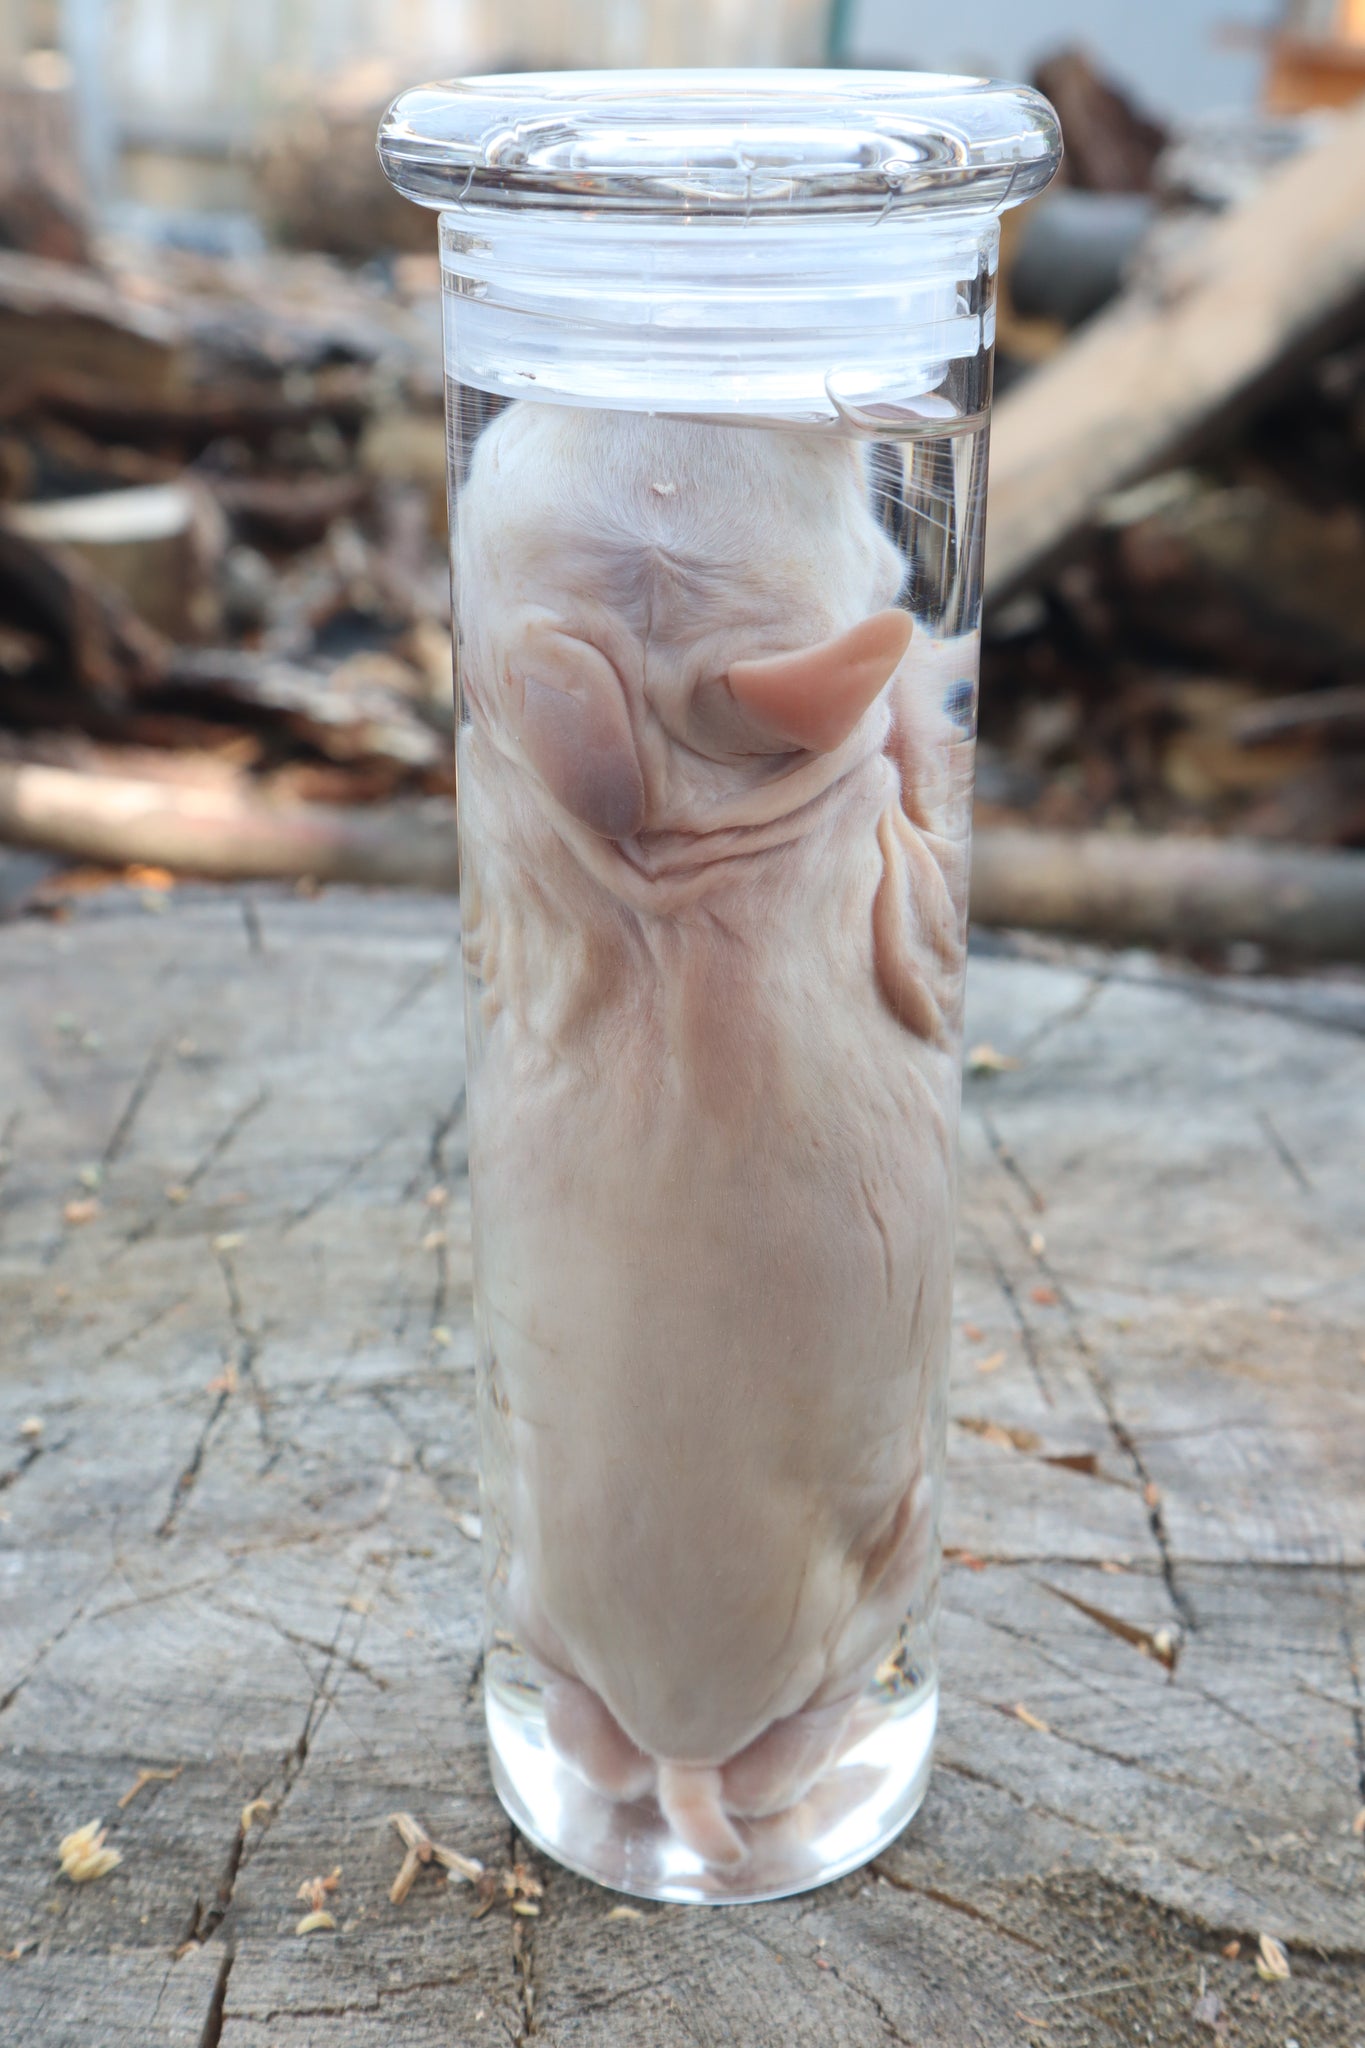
1176,554
224,613
223,569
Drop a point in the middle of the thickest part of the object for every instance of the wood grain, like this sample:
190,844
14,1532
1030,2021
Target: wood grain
236,1547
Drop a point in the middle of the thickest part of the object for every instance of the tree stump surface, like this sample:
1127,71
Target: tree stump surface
235,1292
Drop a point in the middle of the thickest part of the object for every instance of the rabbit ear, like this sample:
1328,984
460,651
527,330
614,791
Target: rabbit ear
569,712
815,697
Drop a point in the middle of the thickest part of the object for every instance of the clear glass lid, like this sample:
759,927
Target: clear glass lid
717,144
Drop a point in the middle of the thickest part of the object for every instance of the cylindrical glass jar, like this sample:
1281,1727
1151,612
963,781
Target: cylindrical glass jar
718,353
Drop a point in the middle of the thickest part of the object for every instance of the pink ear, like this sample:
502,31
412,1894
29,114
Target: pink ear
569,708
816,696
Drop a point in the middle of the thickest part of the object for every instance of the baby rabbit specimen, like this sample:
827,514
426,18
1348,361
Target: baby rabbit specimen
714,922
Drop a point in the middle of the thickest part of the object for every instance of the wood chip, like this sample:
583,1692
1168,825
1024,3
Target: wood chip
254,1810
1037,1244
31,1428
405,1879
1232,1950
1151,1494
421,1849
228,1242
973,1333
1163,1644
1358,1824
437,1198
83,1211
314,1890
316,1923
83,1855
1021,1713
1272,1964
998,1433
147,1776
984,1059
991,1364
625,1913
1046,1297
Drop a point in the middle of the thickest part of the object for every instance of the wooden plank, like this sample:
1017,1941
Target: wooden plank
56,320
235,1549
1162,370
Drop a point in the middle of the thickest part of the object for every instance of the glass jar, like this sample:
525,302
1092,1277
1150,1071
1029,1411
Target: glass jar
718,358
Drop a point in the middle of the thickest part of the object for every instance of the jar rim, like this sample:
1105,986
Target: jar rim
721,144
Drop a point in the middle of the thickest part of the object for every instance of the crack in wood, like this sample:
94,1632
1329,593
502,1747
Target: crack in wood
198,1585
16,1472
523,1951
956,1905
7,1699
1122,1435
1356,1708
1065,1668
150,1224
831,1969
1010,1165
142,1088
475,1678
1207,990
584,2006
250,1343
189,1472
861,1991
433,1172
9,1131
303,1642
1021,1322
1072,1013
1143,1850
338,1185
203,1926
1176,1779
1290,1749
414,992
440,1293
213,2019
118,1345
1147,1642
352,2006
229,1135
1280,1147
251,925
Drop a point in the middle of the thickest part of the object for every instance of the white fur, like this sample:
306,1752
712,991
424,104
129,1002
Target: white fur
712,1169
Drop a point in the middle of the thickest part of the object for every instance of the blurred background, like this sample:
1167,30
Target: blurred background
223,608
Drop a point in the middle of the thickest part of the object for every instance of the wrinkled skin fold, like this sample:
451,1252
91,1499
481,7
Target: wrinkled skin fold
713,910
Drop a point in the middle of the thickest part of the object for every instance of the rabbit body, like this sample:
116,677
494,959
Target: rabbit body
713,1091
